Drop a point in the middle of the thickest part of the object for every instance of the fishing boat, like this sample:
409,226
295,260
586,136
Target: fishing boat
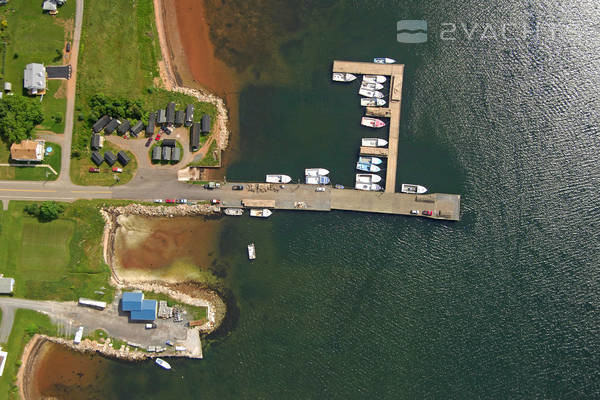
372,122
316,172
317,180
278,179
261,212
367,178
341,77
368,186
367,167
370,160
370,93
374,78
374,142
162,363
233,211
413,189
251,251
383,60
372,102
371,86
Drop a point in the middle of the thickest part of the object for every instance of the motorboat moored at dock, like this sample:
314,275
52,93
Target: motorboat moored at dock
372,122
367,178
251,251
371,93
317,180
233,211
371,102
341,77
371,86
374,78
413,189
316,172
384,60
367,167
374,142
278,179
162,363
370,160
261,212
368,186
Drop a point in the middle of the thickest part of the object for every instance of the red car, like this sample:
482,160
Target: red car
170,201
115,169
426,212
94,170
157,138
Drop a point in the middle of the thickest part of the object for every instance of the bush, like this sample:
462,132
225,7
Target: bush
45,212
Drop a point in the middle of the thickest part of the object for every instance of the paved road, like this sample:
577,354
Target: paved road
8,317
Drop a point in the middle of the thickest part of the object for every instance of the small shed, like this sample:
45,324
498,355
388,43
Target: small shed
162,117
110,158
97,158
124,127
137,128
111,126
95,145
179,117
170,117
7,86
176,154
169,142
156,153
7,285
123,158
189,115
195,136
101,123
151,124
205,123
166,153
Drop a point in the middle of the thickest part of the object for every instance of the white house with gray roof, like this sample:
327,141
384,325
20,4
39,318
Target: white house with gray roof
34,78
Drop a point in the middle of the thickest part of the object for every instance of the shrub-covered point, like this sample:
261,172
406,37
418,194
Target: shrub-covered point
18,116
116,107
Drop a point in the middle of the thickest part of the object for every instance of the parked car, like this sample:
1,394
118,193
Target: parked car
320,189
151,326
157,138
158,201
237,187
414,212
426,212
182,201
149,141
94,169
170,201
215,201
116,169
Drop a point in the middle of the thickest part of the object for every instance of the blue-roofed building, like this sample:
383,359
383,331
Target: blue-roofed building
147,313
132,301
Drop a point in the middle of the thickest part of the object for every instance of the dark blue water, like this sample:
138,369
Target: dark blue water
504,303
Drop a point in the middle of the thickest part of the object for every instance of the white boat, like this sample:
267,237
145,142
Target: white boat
341,77
371,86
261,212
374,142
372,102
162,363
317,180
374,78
316,172
413,189
384,60
251,251
372,122
278,179
368,186
233,211
367,178
367,167
370,93
370,160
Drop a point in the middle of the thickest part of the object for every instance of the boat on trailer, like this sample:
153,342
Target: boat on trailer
372,122
367,167
367,178
413,189
372,102
341,77
370,160
374,78
261,212
368,186
374,142
316,172
278,178
233,211
383,60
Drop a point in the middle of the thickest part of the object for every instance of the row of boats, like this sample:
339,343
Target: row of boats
254,212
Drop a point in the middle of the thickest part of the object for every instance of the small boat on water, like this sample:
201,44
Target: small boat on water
251,251
383,60
374,142
368,186
162,363
261,212
367,178
278,179
372,122
367,167
317,180
413,189
341,77
233,211
316,172
374,78
338,186
370,93
371,102
370,160
371,86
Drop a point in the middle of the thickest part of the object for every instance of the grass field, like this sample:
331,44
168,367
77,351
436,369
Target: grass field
194,313
30,173
32,36
80,174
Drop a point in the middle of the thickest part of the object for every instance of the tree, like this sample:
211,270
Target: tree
18,116
50,210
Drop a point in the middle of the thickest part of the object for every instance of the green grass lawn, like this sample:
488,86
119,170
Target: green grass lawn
32,36
209,159
80,167
31,173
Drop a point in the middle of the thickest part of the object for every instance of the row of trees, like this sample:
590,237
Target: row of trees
18,116
116,107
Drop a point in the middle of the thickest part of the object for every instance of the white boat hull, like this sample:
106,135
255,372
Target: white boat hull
367,178
278,179
372,122
162,363
374,78
413,189
233,211
251,251
384,60
371,86
368,186
261,212
372,102
374,142
317,180
316,172
370,160
341,77
370,93
367,167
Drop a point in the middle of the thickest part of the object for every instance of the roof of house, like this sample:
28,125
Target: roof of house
49,5
95,145
195,135
97,158
147,311
169,142
124,127
110,158
123,158
179,117
6,285
176,154
162,117
166,153
112,125
156,153
101,123
205,123
27,150
170,113
189,113
137,128
34,76
151,122
132,301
